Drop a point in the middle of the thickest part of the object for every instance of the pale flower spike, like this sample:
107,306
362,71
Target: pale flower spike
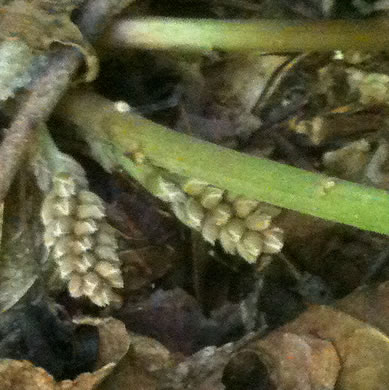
80,240
242,226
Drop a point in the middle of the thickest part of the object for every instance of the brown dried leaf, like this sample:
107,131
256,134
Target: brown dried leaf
301,361
368,304
149,354
113,336
23,375
114,344
139,368
129,376
365,356
86,381
40,28
323,348
362,350
203,370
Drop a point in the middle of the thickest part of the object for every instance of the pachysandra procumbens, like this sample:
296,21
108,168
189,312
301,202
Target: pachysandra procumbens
80,240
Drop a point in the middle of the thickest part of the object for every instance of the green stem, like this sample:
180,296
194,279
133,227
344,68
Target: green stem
53,162
108,130
49,149
264,35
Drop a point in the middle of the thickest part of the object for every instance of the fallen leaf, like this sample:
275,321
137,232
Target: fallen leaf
22,375
365,356
355,355
39,28
114,343
301,362
113,336
369,304
139,369
323,349
86,381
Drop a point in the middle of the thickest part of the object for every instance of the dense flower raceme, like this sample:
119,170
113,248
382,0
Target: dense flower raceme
81,241
241,225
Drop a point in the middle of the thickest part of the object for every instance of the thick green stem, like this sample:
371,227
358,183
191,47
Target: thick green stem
264,35
112,134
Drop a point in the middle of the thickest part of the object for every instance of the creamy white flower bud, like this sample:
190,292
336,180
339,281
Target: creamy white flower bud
194,187
49,239
64,207
168,191
105,238
211,197
250,246
244,206
108,253
273,240
258,221
85,227
179,210
78,264
66,265
84,263
48,208
75,285
102,297
86,211
54,207
64,185
82,245
62,246
228,244
222,213
60,226
88,197
111,273
91,283
195,213
209,230
235,228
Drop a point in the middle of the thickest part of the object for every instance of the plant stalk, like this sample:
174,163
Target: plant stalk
264,35
114,136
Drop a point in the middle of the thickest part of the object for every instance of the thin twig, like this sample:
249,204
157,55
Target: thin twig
46,92
97,14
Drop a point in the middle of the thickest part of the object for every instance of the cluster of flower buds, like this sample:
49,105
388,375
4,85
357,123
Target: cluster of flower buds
241,225
81,241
